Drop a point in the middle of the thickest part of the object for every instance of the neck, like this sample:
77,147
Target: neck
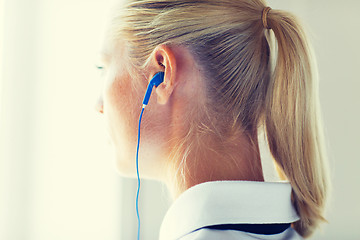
235,157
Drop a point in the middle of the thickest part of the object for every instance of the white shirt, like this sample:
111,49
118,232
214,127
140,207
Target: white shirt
229,202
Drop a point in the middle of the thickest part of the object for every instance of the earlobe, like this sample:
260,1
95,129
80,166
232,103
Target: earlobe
166,88
163,92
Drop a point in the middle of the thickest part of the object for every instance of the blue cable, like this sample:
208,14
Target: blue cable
155,81
137,171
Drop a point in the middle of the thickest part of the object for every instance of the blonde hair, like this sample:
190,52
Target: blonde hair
229,42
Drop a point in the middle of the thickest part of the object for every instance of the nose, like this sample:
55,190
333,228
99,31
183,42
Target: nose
99,106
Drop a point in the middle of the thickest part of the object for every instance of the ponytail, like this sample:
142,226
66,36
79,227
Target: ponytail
293,121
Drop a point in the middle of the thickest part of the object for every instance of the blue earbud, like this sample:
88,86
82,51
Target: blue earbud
155,81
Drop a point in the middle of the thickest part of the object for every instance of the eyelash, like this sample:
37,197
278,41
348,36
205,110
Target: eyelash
102,70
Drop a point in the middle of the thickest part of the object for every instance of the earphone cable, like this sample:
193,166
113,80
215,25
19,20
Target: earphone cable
138,177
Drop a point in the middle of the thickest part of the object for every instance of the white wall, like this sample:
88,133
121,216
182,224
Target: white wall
57,178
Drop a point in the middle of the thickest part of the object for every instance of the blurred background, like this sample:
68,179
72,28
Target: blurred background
57,176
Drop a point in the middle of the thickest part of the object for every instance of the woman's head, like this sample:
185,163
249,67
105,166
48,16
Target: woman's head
220,85
166,113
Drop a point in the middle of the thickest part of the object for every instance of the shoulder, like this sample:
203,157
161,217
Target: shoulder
213,234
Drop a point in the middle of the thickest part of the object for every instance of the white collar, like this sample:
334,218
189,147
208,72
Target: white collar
228,202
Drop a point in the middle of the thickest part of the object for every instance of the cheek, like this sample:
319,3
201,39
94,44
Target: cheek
122,107
121,110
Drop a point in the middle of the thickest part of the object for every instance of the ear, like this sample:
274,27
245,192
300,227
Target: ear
164,60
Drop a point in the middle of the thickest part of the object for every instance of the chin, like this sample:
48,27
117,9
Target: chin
125,163
126,167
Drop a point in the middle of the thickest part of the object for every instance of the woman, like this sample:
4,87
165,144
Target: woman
223,82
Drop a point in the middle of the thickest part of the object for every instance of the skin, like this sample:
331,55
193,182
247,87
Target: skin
164,118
